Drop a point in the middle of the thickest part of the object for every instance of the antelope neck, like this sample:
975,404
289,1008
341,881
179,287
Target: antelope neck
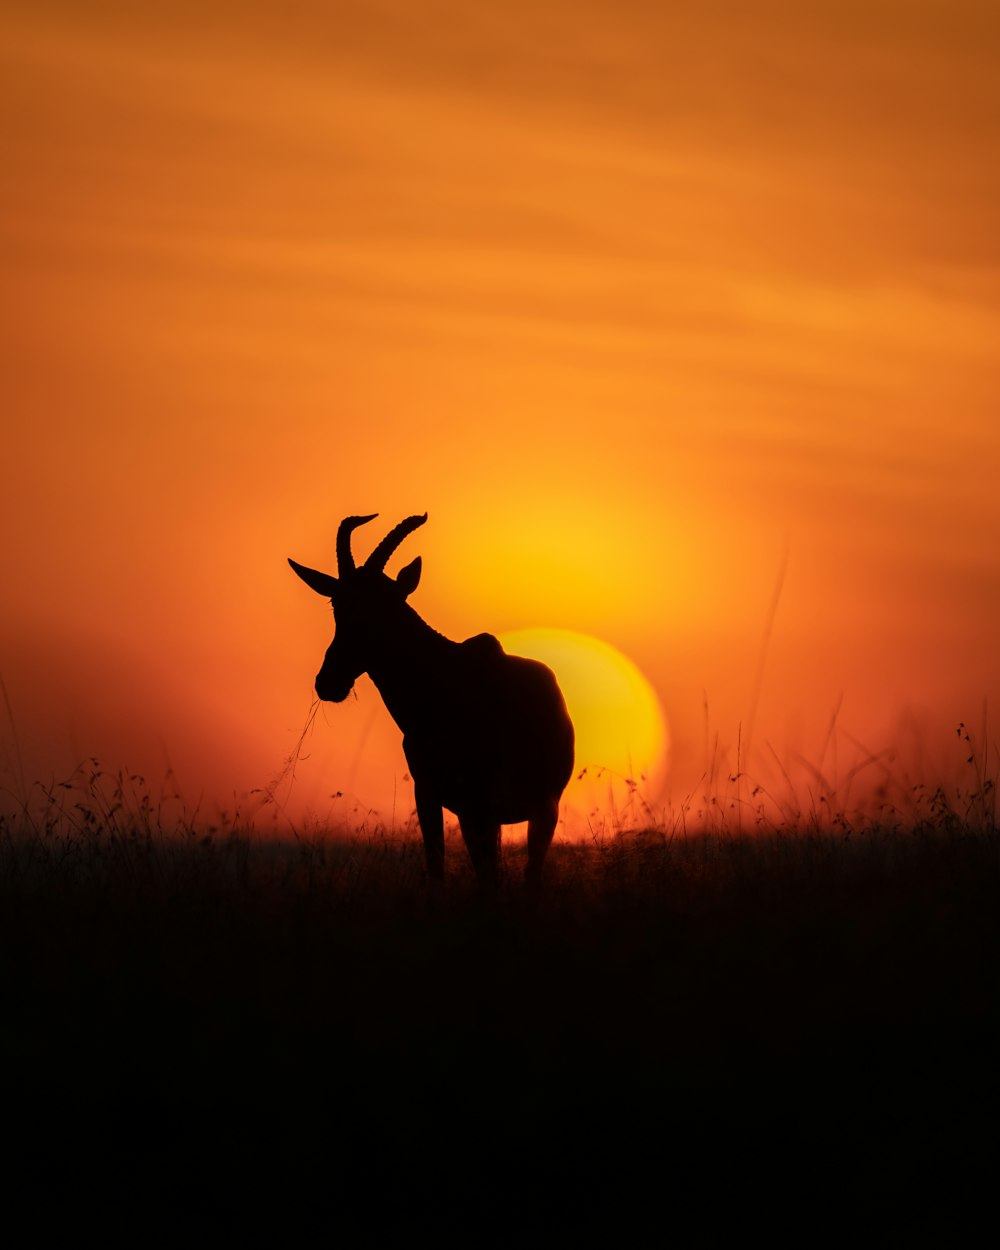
405,672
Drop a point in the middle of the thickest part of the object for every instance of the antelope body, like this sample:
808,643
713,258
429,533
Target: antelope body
486,735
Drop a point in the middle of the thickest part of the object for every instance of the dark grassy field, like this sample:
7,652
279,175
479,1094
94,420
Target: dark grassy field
790,1035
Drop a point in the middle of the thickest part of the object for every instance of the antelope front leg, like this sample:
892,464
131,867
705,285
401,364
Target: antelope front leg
482,839
431,819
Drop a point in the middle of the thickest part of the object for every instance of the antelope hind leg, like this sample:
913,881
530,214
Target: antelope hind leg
541,827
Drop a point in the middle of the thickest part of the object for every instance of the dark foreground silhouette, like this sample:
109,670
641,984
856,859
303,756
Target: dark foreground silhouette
486,734
697,1042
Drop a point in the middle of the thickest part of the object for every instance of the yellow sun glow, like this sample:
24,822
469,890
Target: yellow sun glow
621,731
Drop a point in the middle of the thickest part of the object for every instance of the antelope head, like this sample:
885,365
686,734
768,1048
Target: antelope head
368,606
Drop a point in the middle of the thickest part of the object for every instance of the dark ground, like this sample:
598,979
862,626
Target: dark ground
792,1038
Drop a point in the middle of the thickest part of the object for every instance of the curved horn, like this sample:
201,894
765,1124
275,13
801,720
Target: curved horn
345,561
377,560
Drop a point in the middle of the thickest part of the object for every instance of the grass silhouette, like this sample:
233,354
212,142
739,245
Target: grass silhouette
693,1034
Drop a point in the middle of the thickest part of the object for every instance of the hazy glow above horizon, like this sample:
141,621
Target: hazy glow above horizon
631,299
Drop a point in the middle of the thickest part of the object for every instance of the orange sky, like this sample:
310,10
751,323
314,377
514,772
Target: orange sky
633,298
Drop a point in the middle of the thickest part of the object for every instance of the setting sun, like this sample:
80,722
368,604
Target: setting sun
621,731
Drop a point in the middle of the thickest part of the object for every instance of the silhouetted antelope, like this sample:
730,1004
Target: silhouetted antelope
485,734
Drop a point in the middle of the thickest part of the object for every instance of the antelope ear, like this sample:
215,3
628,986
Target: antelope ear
407,579
322,583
